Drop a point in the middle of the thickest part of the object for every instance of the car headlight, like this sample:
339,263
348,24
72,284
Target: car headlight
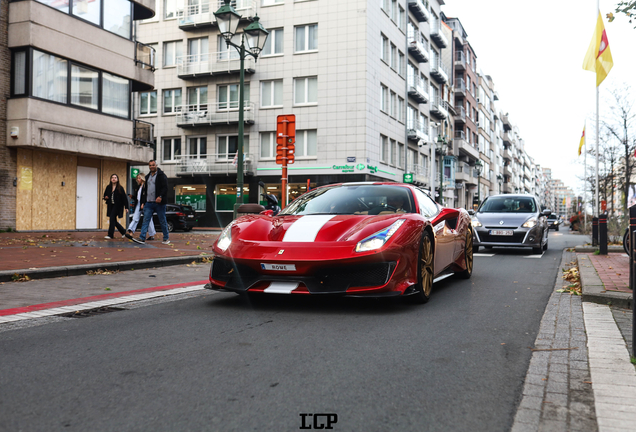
377,240
475,222
225,238
530,223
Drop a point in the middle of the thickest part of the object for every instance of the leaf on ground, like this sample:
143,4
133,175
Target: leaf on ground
81,256
107,259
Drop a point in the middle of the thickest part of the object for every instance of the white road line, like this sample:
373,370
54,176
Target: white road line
483,254
534,256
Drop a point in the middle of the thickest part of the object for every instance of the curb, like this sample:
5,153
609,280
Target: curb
593,290
81,269
592,249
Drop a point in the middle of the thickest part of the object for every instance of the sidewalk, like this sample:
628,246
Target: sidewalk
55,254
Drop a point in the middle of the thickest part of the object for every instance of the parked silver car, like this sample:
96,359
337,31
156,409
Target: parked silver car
511,220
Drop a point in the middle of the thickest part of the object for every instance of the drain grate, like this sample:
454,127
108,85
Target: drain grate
91,312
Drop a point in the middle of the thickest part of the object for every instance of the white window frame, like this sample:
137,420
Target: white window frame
175,108
306,48
274,35
177,54
227,156
305,101
271,151
384,98
400,113
392,149
301,144
393,57
272,87
384,149
198,154
148,112
172,155
393,104
400,155
200,106
232,105
384,49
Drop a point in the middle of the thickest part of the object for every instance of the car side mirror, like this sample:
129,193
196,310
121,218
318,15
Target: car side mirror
546,212
269,213
471,212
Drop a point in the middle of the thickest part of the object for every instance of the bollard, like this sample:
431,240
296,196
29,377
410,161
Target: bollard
632,271
602,234
595,231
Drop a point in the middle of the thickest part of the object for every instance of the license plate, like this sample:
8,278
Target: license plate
501,232
279,267
190,216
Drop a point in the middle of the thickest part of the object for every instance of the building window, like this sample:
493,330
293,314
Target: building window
148,103
392,149
394,60
384,98
305,90
197,147
274,43
193,195
171,149
227,52
384,149
394,12
306,143
61,6
198,50
393,104
271,93
400,113
268,145
171,52
19,73
170,9
271,2
385,49
402,18
117,17
306,38
228,96
171,101
84,87
49,77
115,95
227,146
225,197
89,11
401,63
197,98
400,155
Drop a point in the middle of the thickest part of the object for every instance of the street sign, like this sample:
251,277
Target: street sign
285,138
408,177
134,172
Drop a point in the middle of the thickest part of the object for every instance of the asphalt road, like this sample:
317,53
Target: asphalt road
218,362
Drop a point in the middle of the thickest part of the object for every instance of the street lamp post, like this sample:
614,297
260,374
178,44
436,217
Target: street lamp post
478,167
441,142
500,180
253,40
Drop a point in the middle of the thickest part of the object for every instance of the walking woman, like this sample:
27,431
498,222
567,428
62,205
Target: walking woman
116,201
141,192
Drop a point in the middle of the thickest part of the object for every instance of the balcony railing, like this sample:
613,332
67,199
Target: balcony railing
215,163
223,62
438,108
145,56
438,37
200,13
142,133
460,87
419,8
439,72
420,174
418,46
460,60
213,114
417,90
461,114
416,132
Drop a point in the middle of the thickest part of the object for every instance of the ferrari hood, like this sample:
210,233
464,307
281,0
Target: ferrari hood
503,219
309,228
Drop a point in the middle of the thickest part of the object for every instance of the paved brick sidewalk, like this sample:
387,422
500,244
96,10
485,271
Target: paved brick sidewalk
613,269
34,250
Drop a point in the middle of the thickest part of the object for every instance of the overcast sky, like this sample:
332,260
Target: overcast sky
534,51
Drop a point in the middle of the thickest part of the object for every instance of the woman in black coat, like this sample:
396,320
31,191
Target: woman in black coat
116,201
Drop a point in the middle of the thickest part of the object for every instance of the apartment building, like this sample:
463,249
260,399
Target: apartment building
68,123
366,80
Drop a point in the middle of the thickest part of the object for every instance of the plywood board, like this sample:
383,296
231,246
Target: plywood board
61,170
24,195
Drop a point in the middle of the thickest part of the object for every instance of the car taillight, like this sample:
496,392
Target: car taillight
180,214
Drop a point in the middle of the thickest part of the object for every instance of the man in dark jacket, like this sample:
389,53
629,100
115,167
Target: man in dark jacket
155,202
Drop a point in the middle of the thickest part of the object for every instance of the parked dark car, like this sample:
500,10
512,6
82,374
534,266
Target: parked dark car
554,222
511,220
178,216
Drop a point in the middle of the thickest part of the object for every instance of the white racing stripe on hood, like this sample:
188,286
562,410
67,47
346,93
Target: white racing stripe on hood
306,228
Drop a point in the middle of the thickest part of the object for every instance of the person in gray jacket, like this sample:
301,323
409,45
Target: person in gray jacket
155,202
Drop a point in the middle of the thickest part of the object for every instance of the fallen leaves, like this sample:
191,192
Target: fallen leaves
20,278
571,275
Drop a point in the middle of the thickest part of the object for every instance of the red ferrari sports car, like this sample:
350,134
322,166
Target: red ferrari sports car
353,239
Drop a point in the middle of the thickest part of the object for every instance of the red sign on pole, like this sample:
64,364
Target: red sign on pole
285,140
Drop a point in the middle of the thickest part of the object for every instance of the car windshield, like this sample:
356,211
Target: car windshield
508,205
552,216
364,199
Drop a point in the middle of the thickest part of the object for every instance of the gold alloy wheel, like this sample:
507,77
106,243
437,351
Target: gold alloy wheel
426,266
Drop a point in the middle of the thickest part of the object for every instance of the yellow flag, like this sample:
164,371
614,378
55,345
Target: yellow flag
599,57
582,141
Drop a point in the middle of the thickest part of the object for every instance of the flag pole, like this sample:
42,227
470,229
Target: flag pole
598,11
585,182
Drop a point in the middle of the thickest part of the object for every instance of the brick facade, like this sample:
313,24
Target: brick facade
7,155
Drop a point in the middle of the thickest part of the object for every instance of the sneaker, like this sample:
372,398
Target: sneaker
150,238
108,237
140,241
165,242
128,236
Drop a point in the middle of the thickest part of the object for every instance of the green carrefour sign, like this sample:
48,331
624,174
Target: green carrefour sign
408,177
134,172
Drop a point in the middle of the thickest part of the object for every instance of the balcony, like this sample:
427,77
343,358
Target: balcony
438,108
506,122
200,65
213,114
508,170
507,155
420,174
507,188
418,48
415,132
460,87
464,147
143,133
437,36
439,73
419,8
460,61
215,163
200,13
507,138
460,117
417,91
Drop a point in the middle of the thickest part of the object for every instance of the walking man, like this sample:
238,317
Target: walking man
155,202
